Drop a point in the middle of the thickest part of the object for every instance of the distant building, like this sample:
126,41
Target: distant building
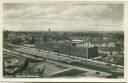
87,44
111,44
103,45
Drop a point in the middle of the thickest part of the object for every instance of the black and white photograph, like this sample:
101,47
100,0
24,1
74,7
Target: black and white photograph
63,40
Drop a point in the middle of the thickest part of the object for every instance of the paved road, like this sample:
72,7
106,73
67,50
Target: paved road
54,55
62,57
90,72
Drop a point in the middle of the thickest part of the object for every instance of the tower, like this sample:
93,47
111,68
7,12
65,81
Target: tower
49,30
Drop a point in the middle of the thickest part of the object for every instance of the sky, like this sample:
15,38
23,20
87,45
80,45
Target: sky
63,17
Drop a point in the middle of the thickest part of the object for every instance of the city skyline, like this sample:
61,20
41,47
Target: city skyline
63,17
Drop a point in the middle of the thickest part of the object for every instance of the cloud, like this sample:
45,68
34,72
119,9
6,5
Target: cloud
92,11
63,16
26,12
30,11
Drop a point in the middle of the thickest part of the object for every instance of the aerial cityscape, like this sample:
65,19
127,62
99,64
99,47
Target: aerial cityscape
37,52
63,40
